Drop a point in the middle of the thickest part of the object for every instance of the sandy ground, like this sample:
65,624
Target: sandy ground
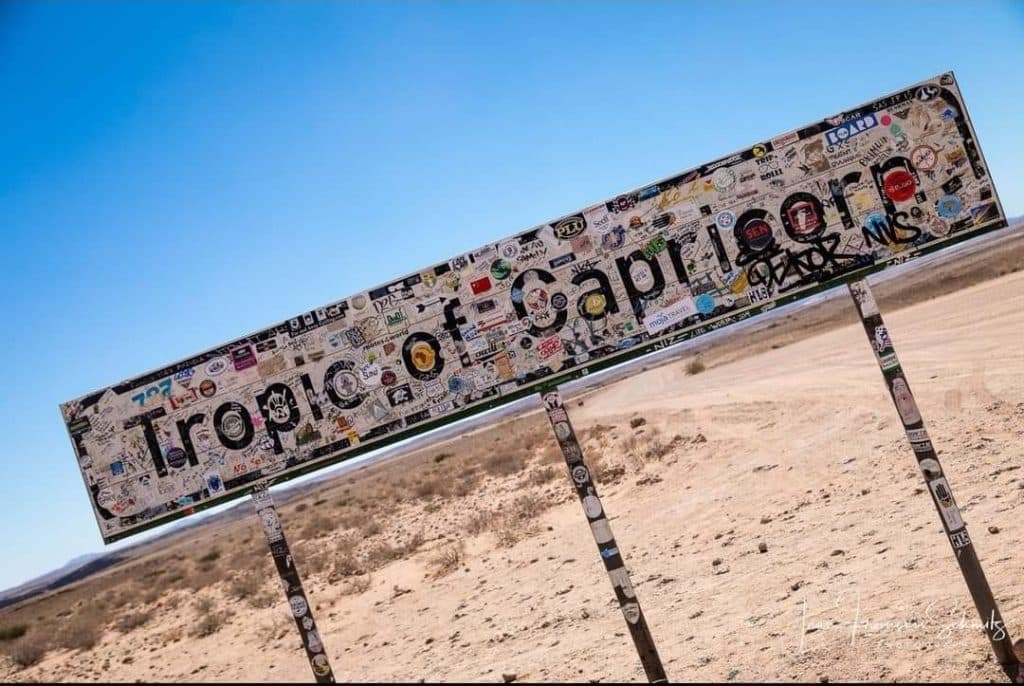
798,447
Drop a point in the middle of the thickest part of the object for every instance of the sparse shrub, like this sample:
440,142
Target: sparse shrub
505,462
346,565
479,521
440,457
82,632
301,507
316,526
27,651
539,477
13,631
242,586
446,561
208,624
636,421
694,366
132,620
432,486
211,556
203,604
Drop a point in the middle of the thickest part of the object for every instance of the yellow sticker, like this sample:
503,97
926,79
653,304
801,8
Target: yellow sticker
594,303
423,357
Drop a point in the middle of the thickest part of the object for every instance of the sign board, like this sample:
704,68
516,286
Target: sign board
781,220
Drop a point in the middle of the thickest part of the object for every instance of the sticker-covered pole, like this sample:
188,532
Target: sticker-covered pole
938,486
614,562
299,604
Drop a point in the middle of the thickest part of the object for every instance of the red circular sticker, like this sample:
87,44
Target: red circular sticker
900,186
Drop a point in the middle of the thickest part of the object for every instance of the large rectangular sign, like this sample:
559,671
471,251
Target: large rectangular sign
781,220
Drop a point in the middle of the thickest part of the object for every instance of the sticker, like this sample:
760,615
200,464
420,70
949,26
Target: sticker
509,249
480,285
609,552
723,179
313,642
922,446
905,404
602,531
595,304
673,314
592,506
207,388
321,667
949,206
848,130
214,484
632,612
620,578
271,525
243,358
216,367
947,506
725,219
552,400
705,303
865,298
899,185
640,273
536,299
613,239
176,457
359,302
917,434
563,431
923,157
423,356
888,361
345,384
456,384
298,605
559,301
500,269
307,623
930,467
960,539
882,340
580,475
570,227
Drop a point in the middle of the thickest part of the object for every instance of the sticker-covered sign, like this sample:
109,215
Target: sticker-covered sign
788,217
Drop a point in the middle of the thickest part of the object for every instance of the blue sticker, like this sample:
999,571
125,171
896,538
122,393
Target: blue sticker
949,206
117,468
705,304
456,384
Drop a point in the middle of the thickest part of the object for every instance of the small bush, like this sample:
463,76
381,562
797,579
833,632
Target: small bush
132,620
211,556
242,586
694,366
9,633
636,421
357,585
207,625
82,632
27,651
441,457
446,561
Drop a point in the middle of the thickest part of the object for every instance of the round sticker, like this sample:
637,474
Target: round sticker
388,377
516,294
755,235
525,342
759,151
723,179
613,239
923,157
642,276
456,384
580,474
207,388
562,431
559,301
899,185
705,303
299,606
536,300
594,304
423,356
592,506
949,206
509,250
500,269
359,302
176,457
216,367
345,384
321,667
725,219
232,425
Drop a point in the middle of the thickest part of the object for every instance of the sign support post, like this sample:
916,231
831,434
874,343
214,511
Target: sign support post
292,584
938,486
614,561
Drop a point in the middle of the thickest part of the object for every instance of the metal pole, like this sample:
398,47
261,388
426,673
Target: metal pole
614,561
938,486
301,610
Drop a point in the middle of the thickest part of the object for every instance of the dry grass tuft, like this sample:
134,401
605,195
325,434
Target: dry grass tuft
695,366
447,560
9,633
131,620
81,632
27,651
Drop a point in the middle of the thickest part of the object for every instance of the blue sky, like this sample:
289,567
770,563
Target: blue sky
175,176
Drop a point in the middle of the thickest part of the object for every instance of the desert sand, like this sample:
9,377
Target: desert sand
792,442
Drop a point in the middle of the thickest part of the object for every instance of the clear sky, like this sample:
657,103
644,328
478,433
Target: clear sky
175,176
